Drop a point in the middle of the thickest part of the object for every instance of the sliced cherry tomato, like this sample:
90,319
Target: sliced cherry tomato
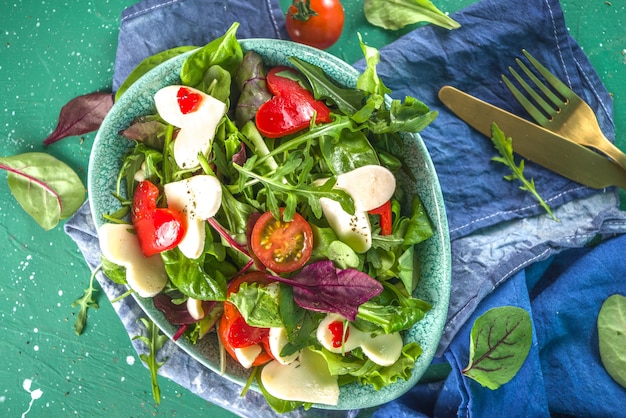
384,211
158,229
282,246
233,330
317,23
292,107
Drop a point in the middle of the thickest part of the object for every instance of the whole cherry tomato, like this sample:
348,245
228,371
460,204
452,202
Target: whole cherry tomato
317,23
234,332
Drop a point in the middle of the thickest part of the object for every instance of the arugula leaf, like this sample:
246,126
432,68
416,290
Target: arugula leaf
612,337
154,341
46,188
85,302
348,100
504,146
499,344
396,14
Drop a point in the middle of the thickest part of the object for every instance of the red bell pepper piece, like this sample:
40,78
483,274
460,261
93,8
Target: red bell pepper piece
158,229
385,221
292,107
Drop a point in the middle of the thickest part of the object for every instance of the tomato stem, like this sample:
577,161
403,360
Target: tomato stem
303,10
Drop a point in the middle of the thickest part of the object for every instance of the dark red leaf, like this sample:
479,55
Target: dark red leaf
81,115
321,287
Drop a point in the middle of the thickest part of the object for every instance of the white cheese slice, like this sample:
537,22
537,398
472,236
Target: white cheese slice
382,349
277,341
194,307
306,379
370,186
353,230
198,198
247,355
197,128
119,244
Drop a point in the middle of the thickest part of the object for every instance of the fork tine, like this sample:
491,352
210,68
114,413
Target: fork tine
532,110
558,85
549,109
544,89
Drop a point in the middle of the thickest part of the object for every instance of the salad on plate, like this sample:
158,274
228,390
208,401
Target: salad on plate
261,203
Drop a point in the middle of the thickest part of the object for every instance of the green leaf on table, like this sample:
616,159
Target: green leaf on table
81,115
85,302
154,341
612,337
499,344
396,14
46,188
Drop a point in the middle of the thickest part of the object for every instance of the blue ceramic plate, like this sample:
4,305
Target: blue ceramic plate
434,254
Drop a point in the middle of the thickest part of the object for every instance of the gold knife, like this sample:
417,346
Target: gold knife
535,143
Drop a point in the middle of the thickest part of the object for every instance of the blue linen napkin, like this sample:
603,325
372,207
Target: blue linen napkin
499,234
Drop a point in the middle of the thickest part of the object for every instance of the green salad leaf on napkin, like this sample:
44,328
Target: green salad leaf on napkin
500,342
396,14
612,337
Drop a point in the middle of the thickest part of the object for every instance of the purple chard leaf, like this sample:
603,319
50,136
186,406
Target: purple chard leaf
81,115
321,287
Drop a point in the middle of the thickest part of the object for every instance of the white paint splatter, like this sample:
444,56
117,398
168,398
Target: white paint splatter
130,360
34,395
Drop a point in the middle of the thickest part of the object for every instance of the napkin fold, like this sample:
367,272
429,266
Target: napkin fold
505,250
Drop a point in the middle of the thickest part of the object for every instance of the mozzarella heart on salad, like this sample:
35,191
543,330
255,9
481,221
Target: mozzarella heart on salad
198,198
119,244
370,186
196,114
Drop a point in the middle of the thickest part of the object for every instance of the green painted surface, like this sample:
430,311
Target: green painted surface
52,51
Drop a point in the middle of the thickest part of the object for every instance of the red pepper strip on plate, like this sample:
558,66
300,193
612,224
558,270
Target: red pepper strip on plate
158,229
292,107
384,211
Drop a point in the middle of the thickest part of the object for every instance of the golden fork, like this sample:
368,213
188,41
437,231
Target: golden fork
566,114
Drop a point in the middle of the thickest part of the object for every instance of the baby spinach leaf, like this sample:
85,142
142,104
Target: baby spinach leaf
612,337
224,51
190,277
148,64
47,188
499,344
397,14
81,115
258,305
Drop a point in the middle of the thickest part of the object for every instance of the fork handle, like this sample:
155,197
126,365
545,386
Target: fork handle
614,153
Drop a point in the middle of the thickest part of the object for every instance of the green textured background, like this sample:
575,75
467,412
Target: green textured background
52,51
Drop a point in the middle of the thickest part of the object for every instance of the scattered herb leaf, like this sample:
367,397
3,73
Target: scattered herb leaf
499,344
504,146
46,188
396,14
81,115
612,337
85,302
153,341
